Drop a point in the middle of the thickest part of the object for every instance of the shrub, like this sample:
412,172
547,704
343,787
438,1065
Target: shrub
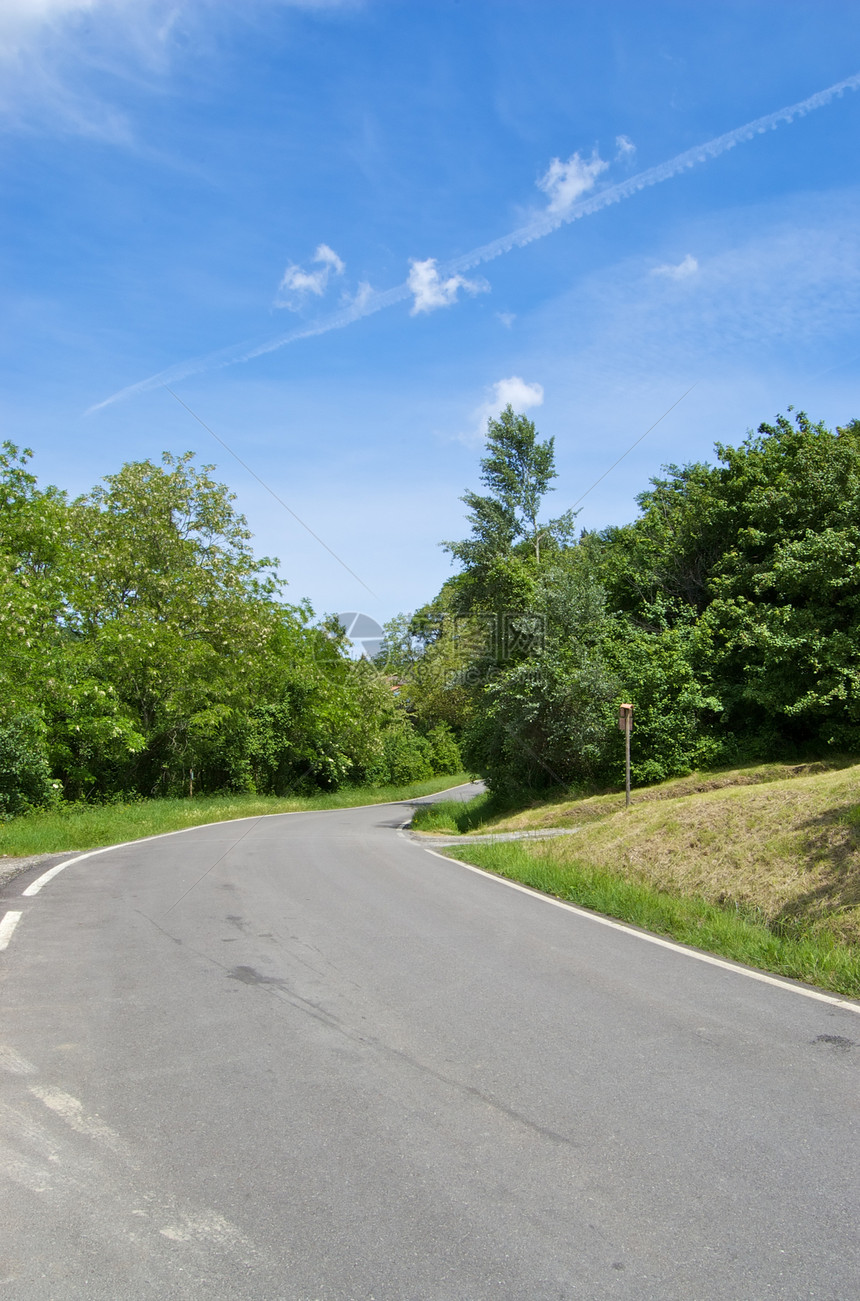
25,778
405,757
444,751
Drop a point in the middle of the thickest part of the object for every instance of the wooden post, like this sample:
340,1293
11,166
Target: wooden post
191,782
625,725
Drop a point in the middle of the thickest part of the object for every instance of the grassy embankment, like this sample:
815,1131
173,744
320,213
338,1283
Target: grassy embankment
760,864
89,826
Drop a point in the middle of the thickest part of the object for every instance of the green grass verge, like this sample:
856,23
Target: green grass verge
726,931
456,817
90,826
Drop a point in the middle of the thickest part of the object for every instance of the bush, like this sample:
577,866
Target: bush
405,757
542,724
677,722
444,751
25,778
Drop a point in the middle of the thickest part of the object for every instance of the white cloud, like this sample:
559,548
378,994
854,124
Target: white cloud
507,318
565,182
296,283
686,268
518,393
361,298
312,282
58,56
20,20
514,390
24,22
430,291
625,147
329,258
63,62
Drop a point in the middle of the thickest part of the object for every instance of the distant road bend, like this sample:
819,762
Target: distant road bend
298,1058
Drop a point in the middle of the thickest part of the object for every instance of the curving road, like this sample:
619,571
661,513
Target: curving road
298,1058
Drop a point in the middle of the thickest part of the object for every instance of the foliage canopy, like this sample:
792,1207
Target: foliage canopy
141,639
728,611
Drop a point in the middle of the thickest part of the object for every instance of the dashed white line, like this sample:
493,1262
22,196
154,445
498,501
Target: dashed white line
7,926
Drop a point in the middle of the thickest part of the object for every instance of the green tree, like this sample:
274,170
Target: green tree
759,551
140,638
507,538
429,655
662,667
544,719
539,682
169,615
784,617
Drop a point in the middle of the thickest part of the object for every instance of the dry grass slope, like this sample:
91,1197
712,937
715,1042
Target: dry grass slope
779,843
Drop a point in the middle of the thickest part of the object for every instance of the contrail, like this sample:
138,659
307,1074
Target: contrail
543,224
546,222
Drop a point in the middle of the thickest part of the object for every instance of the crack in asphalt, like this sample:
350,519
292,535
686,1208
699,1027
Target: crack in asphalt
280,988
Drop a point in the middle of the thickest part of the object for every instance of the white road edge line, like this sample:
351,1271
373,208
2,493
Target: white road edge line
7,926
712,961
36,885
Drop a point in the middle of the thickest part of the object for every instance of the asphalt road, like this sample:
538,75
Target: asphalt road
298,1058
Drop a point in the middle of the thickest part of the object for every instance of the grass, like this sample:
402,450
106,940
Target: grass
816,959
458,817
760,864
90,826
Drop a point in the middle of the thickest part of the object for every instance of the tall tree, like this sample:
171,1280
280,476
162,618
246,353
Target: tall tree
508,537
168,618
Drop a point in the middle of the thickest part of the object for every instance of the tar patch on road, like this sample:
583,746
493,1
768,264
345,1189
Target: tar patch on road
250,976
835,1040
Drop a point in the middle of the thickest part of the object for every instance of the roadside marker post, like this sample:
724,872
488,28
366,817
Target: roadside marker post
625,725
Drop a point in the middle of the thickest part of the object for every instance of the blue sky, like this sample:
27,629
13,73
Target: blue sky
186,185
